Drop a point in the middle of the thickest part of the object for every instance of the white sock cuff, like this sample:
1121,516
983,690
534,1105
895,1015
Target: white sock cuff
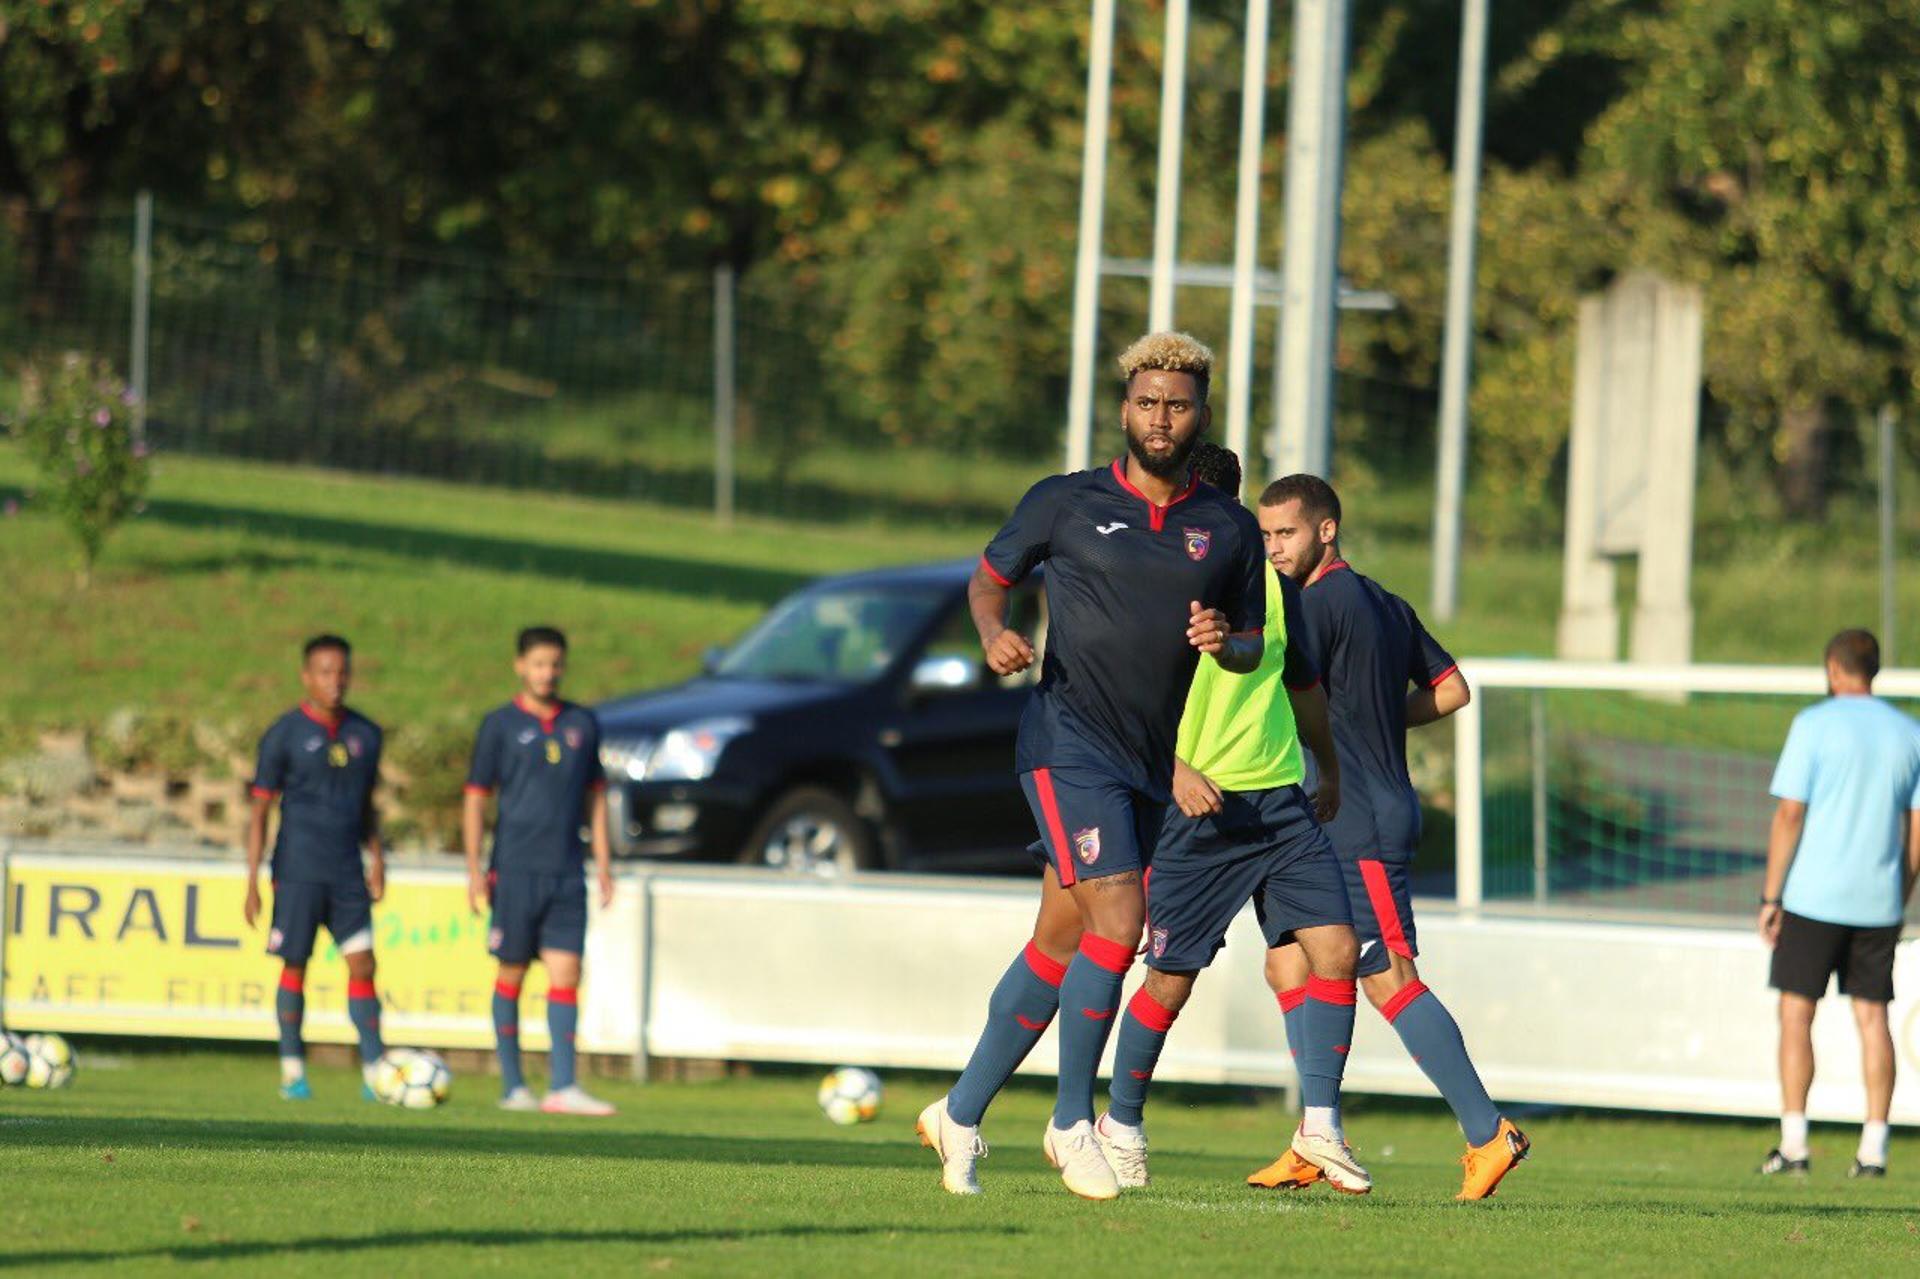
1873,1143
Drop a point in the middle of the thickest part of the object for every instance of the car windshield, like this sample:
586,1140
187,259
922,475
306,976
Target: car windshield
840,634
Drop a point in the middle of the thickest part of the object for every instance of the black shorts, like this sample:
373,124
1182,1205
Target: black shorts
1810,951
532,913
300,910
1264,847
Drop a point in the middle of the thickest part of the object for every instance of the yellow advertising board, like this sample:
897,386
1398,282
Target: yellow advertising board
116,945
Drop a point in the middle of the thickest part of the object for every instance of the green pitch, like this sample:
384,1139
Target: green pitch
152,1161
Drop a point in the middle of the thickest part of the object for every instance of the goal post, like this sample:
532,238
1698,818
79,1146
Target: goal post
1601,787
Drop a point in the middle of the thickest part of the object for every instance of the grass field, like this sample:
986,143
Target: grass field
188,1159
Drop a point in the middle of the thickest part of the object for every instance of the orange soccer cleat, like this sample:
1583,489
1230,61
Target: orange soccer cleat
1288,1172
1487,1164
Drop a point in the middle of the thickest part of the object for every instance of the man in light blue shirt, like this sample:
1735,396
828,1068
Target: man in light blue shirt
1841,863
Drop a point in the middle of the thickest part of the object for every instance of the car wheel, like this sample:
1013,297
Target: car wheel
811,832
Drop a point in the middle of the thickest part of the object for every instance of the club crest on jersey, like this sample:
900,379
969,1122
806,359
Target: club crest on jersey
1199,542
337,754
1086,844
354,748
573,739
553,751
1159,943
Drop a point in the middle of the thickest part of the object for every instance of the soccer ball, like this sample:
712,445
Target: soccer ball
850,1095
49,1061
13,1059
412,1078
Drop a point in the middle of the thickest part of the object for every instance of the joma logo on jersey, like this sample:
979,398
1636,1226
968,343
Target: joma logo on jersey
1199,542
1086,844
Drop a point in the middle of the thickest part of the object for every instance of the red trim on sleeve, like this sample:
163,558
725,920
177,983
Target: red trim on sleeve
994,573
1056,832
475,788
505,991
596,786
293,979
1330,992
1404,996
1044,966
1291,999
1385,913
1441,678
261,792
1114,956
563,995
1150,1012
359,989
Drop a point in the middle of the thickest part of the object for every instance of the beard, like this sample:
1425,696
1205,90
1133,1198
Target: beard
1164,468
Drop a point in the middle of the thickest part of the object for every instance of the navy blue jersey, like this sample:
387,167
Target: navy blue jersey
1121,573
324,773
543,768
1372,647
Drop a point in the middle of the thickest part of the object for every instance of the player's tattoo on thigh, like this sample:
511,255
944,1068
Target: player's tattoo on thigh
1125,879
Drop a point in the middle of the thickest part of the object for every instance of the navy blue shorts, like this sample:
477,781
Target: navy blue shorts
1263,846
300,909
1376,819
1090,824
532,913
1382,912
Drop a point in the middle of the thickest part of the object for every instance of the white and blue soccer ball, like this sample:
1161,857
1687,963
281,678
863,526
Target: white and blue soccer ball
49,1061
14,1062
412,1078
851,1095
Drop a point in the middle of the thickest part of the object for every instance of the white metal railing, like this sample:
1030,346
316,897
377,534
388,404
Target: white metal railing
1616,677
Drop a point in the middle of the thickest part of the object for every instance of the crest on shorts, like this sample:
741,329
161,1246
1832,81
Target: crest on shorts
337,754
1199,542
1159,943
1086,844
494,938
573,739
274,939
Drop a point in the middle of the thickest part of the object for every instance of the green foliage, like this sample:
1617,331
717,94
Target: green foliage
76,423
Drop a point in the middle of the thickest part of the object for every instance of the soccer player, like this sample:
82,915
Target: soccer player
1241,829
1383,674
542,755
320,761
1841,862
1146,570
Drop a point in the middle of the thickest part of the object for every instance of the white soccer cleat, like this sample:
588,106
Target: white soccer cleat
1126,1150
521,1098
573,1100
958,1146
1334,1158
1083,1168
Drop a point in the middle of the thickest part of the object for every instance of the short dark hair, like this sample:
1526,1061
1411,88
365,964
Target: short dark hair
1317,499
1856,652
320,642
540,637
1218,465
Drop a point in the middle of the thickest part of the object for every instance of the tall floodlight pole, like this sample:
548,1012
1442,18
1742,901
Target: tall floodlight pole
1246,229
1316,109
1166,195
1889,600
1456,353
1086,274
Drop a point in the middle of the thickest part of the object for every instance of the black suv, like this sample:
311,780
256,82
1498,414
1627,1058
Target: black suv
855,727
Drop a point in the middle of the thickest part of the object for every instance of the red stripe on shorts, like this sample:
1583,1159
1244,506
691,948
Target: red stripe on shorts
1056,829
1380,894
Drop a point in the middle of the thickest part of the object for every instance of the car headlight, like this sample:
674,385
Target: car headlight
626,760
691,752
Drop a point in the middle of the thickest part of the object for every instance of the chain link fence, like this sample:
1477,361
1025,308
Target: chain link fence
486,370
